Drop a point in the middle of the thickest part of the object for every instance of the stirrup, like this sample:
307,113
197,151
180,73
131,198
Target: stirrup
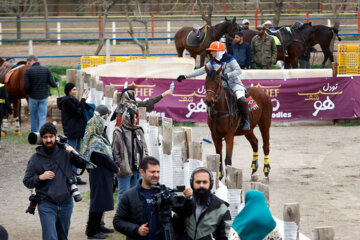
254,166
267,169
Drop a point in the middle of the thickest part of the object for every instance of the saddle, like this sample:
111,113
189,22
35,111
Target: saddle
197,36
234,111
282,36
8,69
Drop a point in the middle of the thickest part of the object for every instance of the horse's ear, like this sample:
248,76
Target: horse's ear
206,69
234,20
219,70
226,19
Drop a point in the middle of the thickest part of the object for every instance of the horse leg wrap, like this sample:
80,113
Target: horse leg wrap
5,126
220,170
17,126
228,161
254,163
266,166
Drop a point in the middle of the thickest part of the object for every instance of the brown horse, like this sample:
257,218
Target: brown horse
224,122
214,33
16,92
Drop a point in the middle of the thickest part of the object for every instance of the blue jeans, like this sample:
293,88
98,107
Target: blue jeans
76,144
38,110
124,183
55,219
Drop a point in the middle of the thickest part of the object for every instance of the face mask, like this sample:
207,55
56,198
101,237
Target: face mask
219,55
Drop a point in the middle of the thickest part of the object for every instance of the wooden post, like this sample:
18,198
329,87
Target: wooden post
92,82
153,119
93,89
195,150
234,178
212,163
80,76
109,91
179,140
291,213
142,113
87,81
260,187
99,91
324,233
167,124
71,75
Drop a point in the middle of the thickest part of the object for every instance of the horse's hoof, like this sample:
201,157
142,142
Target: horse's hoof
3,133
17,133
265,180
254,178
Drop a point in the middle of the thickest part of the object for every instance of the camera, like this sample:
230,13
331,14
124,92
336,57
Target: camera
34,200
74,190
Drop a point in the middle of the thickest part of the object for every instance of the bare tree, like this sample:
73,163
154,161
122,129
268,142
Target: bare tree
136,10
278,5
106,6
209,5
46,15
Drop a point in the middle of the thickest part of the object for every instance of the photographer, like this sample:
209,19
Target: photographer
136,216
210,218
49,172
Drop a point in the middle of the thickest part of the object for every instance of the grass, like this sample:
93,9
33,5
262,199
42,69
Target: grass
57,71
11,138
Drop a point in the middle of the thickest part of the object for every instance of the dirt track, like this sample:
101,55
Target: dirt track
316,166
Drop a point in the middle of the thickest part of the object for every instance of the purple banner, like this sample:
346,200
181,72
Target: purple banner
294,99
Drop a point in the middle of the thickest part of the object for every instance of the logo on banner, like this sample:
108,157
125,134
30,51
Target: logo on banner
323,106
276,108
196,108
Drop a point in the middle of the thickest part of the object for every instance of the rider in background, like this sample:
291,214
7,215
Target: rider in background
230,74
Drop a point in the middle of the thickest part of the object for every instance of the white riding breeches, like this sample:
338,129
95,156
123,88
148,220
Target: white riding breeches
240,93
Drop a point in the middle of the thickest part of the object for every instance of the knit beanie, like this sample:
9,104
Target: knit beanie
3,233
68,88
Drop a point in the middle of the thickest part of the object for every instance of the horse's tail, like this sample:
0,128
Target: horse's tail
336,32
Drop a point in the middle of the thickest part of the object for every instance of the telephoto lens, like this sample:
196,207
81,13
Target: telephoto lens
74,190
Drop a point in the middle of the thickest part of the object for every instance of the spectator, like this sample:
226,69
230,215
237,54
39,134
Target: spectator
3,233
210,214
36,81
264,51
72,118
128,97
304,61
241,51
245,24
255,220
268,25
230,73
97,149
49,172
129,148
136,216
5,106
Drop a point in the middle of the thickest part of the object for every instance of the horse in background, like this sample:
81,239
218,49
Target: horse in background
224,120
213,33
14,81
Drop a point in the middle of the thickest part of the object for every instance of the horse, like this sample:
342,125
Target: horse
214,33
224,120
15,90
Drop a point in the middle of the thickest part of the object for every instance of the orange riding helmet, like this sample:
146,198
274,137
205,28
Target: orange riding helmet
216,46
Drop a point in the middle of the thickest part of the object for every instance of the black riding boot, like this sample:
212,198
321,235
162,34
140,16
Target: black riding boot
244,111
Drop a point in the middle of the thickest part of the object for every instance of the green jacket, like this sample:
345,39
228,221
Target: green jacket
264,51
213,223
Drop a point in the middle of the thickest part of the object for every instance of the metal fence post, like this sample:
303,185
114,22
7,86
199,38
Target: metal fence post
30,47
58,26
114,33
107,50
0,33
168,31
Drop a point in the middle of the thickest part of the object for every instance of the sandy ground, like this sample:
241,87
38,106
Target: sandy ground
316,166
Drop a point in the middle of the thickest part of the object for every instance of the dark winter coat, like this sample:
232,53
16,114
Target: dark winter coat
242,54
55,190
72,116
101,183
37,80
5,106
131,213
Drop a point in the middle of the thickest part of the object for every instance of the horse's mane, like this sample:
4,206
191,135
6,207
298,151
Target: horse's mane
211,74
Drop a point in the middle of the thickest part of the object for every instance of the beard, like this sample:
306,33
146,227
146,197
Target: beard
201,195
49,148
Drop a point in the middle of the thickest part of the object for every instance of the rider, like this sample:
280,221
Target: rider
230,73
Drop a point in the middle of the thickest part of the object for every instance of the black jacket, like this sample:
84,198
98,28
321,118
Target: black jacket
57,189
36,81
72,116
101,183
131,213
5,106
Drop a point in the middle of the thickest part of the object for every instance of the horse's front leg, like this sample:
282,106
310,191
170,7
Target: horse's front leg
229,139
218,147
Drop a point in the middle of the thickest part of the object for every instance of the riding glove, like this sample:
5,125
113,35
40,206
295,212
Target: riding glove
180,78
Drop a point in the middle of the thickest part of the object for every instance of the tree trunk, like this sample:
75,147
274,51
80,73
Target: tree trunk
106,7
46,12
18,25
278,4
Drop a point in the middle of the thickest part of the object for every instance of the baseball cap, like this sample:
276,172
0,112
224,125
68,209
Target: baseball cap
245,21
260,27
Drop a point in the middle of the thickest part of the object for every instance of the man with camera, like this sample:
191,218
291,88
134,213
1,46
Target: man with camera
49,171
137,215
210,218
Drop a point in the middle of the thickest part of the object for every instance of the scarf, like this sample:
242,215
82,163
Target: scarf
93,139
127,97
255,221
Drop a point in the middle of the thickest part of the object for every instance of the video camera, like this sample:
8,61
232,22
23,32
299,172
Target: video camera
164,201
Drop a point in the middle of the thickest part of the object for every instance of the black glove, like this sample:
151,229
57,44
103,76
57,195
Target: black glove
180,78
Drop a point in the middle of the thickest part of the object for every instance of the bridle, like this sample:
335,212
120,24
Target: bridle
216,93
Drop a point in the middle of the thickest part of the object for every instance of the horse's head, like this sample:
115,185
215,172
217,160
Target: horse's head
232,26
213,86
1,61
